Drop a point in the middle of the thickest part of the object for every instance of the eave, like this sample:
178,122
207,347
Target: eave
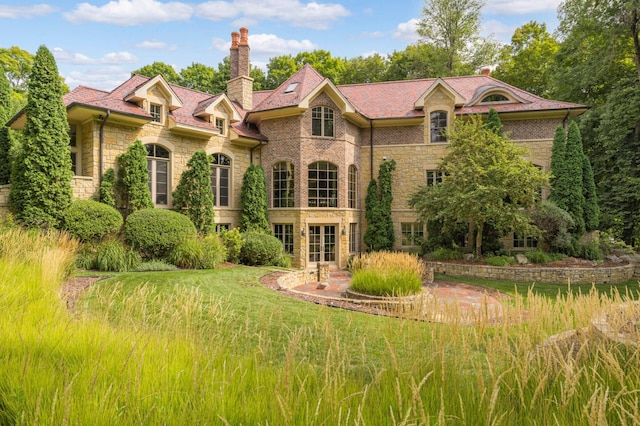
255,117
244,141
193,131
538,114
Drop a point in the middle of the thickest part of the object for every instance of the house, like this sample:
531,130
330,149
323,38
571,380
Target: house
319,144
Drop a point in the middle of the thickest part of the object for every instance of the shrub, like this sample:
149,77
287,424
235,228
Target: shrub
193,196
233,241
156,232
591,250
113,256
89,220
261,249
215,253
537,256
253,195
132,184
188,254
156,265
386,273
555,225
446,254
107,193
500,260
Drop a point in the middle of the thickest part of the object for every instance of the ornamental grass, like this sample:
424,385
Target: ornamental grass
385,273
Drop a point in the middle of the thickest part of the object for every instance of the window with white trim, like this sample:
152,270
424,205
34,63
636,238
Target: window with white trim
322,121
220,125
353,187
158,168
283,184
284,232
412,234
220,179
323,184
438,120
156,112
353,238
434,177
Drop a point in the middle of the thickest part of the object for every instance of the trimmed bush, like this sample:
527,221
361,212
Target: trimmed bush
500,260
261,249
154,233
89,220
387,273
445,254
233,241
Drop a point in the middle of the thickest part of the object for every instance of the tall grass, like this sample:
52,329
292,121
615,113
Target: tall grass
386,273
210,347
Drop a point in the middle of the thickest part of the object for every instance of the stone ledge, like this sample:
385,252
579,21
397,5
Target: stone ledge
601,275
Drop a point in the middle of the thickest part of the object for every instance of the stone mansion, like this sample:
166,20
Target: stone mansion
319,144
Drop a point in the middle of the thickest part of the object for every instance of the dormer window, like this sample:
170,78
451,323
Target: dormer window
220,125
156,112
438,121
322,121
495,98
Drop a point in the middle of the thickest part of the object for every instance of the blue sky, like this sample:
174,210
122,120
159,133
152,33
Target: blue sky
98,43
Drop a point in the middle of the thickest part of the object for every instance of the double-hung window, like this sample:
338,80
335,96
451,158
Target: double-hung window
353,187
156,112
158,169
220,179
412,234
322,121
438,121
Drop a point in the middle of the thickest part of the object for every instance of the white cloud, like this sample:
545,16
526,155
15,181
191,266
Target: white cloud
501,31
407,31
14,12
131,12
269,45
217,10
520,7
103,78
62,55
155,44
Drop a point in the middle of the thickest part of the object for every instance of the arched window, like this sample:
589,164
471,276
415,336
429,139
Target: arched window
323,184
158,168
353,187
496,97
322,121
438,126
220,179
283,185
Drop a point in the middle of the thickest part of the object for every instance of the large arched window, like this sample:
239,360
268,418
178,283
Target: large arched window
322,121
323,184
220,179
158,168
438,121
283,185
353,187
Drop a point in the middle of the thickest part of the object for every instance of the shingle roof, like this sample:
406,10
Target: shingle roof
307,78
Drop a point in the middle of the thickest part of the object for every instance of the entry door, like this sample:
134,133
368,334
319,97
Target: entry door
322,244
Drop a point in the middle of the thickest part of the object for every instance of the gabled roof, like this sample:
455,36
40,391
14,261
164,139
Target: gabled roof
308,80
140,93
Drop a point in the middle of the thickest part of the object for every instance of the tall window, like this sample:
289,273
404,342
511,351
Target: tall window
323,184
353,238
412,233
220,125
220,179
283,185
322,121
284,232
438,126
73,147
158,168
353,187
520,241
434,177
156,112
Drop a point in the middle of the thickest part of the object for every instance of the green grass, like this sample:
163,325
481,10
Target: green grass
550,290
216,347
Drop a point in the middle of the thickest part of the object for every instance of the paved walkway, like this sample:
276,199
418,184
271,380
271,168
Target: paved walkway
442,303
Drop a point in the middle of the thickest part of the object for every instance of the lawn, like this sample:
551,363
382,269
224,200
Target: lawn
215,347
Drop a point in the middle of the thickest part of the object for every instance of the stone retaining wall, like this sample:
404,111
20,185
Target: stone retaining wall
601,275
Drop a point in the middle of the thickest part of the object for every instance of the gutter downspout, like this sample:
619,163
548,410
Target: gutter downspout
101,165
251,152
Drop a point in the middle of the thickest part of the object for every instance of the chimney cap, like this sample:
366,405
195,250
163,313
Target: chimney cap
234,39
244,35
485,71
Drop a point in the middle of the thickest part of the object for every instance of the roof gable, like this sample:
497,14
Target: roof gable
141,92
439,83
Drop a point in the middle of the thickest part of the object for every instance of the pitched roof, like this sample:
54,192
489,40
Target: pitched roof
307,79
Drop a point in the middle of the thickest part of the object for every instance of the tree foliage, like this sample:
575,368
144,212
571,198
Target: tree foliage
558,180
5,136
193,196
158,67
379,234
487,180
591,209
253,195
133,179
107,193
494,123
41,185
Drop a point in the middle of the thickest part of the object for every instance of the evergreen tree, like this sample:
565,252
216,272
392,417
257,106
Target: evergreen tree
5,137
591,209
558,183
193,196
494,123
255,215
573,162
379,234
41,186
133,179
107,188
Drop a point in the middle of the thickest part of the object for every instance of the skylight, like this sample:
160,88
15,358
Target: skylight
291,87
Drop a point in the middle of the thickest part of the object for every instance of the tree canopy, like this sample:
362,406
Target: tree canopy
486,180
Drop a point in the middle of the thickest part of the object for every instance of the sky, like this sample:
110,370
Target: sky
99,43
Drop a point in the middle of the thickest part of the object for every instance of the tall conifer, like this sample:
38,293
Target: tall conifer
5,142
573,162
41,186
558,169
591,209
255,213
494,123
133,179
193,196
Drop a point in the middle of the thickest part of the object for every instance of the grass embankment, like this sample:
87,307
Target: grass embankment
215,347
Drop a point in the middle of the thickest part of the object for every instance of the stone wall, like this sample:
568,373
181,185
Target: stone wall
601,275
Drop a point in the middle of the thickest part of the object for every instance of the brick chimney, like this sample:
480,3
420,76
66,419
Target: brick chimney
486,71
240,86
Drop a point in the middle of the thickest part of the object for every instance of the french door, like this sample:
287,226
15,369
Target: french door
322,244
